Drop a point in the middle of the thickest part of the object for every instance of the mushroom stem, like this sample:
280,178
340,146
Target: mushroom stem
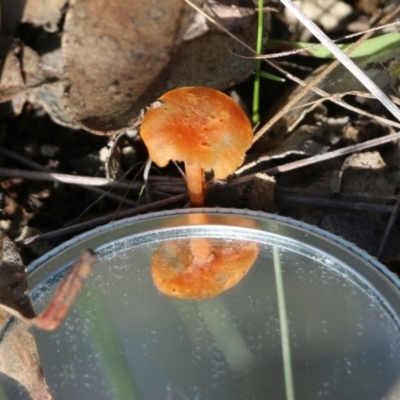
200,248
196,184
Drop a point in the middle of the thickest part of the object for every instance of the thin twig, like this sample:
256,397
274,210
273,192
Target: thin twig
217,24
392,220
63,298
104,219
344,59
64,178
312,86
127,190
306,88
316,159
129,202
65,295
365,95
40,167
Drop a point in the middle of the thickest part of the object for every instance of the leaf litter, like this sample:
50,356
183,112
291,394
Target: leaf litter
19,356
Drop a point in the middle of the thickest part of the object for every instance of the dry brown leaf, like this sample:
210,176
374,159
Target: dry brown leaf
32,68
18,353
11,81
211,60
43,12
365,172
230,17
378,67
13,283
262,194
115,53
117,59
50,98
24,71
19,357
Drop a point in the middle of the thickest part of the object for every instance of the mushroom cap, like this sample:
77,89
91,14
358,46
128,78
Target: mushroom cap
176,272
197,125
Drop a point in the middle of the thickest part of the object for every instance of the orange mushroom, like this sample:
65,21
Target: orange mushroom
208,131
202,127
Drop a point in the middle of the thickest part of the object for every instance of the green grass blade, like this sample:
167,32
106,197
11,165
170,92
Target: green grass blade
283,319
256,90
368,48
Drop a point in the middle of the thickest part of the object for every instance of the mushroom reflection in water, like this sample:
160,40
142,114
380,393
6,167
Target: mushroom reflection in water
200,268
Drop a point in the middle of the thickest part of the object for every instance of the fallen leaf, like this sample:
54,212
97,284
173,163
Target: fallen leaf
119,57
212,60
365,172
43,12
18,353
378,67
262,194
19,358
50,98
115,54
230,17
11,81
25,75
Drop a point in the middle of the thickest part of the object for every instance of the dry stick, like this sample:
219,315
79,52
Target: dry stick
392,220
217,24
295,79
76,180
127,190
104,219
365,80
366,95
64,178
325,72
325,96
319,158
123,198
39,167
357,93
65,295
318,78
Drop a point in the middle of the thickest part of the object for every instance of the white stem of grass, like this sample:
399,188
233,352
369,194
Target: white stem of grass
342,57
285,339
